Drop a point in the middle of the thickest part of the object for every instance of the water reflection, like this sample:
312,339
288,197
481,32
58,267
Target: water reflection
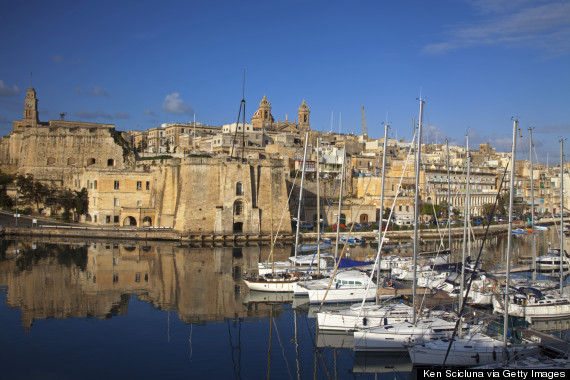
74,279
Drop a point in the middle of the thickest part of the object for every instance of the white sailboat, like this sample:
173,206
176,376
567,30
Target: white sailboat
283,279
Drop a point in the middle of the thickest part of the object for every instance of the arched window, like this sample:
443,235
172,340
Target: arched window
238,208
239,188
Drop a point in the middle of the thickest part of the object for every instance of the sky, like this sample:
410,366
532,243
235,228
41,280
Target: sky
138,64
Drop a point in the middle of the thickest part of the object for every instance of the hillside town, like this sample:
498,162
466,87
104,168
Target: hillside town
244,177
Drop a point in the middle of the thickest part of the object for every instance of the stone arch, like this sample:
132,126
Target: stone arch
91,161
238,208
71,161
129,221
147,221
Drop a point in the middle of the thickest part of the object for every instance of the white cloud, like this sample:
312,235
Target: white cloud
8,91
98,91
174,104
544,26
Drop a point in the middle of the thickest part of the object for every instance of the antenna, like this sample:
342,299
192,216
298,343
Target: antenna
62,115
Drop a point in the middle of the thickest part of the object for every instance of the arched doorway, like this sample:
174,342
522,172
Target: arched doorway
129,221
238,227
363,218
147,221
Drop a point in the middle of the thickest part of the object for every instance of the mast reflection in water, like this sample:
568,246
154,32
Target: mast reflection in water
115,310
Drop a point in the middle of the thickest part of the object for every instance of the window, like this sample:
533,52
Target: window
116,219
139,185
147,185
407,208
116,185
108,219
400,208
238,208
95,184
239,188
110,162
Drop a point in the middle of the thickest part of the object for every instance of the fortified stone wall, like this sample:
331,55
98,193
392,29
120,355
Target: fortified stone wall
52,152
213,195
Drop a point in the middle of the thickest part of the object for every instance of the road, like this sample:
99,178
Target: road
7,219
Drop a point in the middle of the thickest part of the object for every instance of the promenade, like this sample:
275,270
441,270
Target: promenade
33,226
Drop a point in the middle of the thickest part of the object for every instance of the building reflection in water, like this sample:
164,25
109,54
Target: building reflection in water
66,279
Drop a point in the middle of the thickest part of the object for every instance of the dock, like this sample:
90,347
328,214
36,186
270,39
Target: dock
548,343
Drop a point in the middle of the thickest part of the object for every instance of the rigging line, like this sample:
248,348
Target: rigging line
472,276
321,231
284,211
345,246
381,243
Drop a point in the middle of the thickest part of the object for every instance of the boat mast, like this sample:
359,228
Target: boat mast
271,224
532,208
380,239
301,194
339,203
449,208
466,229
416,209
509,239
318,213
561,213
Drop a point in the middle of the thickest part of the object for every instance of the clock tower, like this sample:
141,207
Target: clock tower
31,108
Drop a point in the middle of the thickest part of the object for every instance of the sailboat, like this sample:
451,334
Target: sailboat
397,336
532,304
477,348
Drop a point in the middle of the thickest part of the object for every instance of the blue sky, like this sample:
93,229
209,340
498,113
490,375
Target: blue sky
138,64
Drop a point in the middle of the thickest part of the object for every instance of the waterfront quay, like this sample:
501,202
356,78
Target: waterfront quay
29,226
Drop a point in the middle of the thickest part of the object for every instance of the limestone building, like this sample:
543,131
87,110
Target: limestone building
192,195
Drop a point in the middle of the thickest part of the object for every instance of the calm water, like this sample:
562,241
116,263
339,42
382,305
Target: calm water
106,309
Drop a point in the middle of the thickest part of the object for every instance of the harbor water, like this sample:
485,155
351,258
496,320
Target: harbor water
135,310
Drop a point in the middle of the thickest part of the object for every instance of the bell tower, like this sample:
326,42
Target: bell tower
265,111
31,106
304,114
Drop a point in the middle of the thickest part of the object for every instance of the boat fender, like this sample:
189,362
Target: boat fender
364,321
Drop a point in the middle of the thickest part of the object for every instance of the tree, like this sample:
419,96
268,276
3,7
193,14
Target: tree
81,202
488,210
32,192
430,209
